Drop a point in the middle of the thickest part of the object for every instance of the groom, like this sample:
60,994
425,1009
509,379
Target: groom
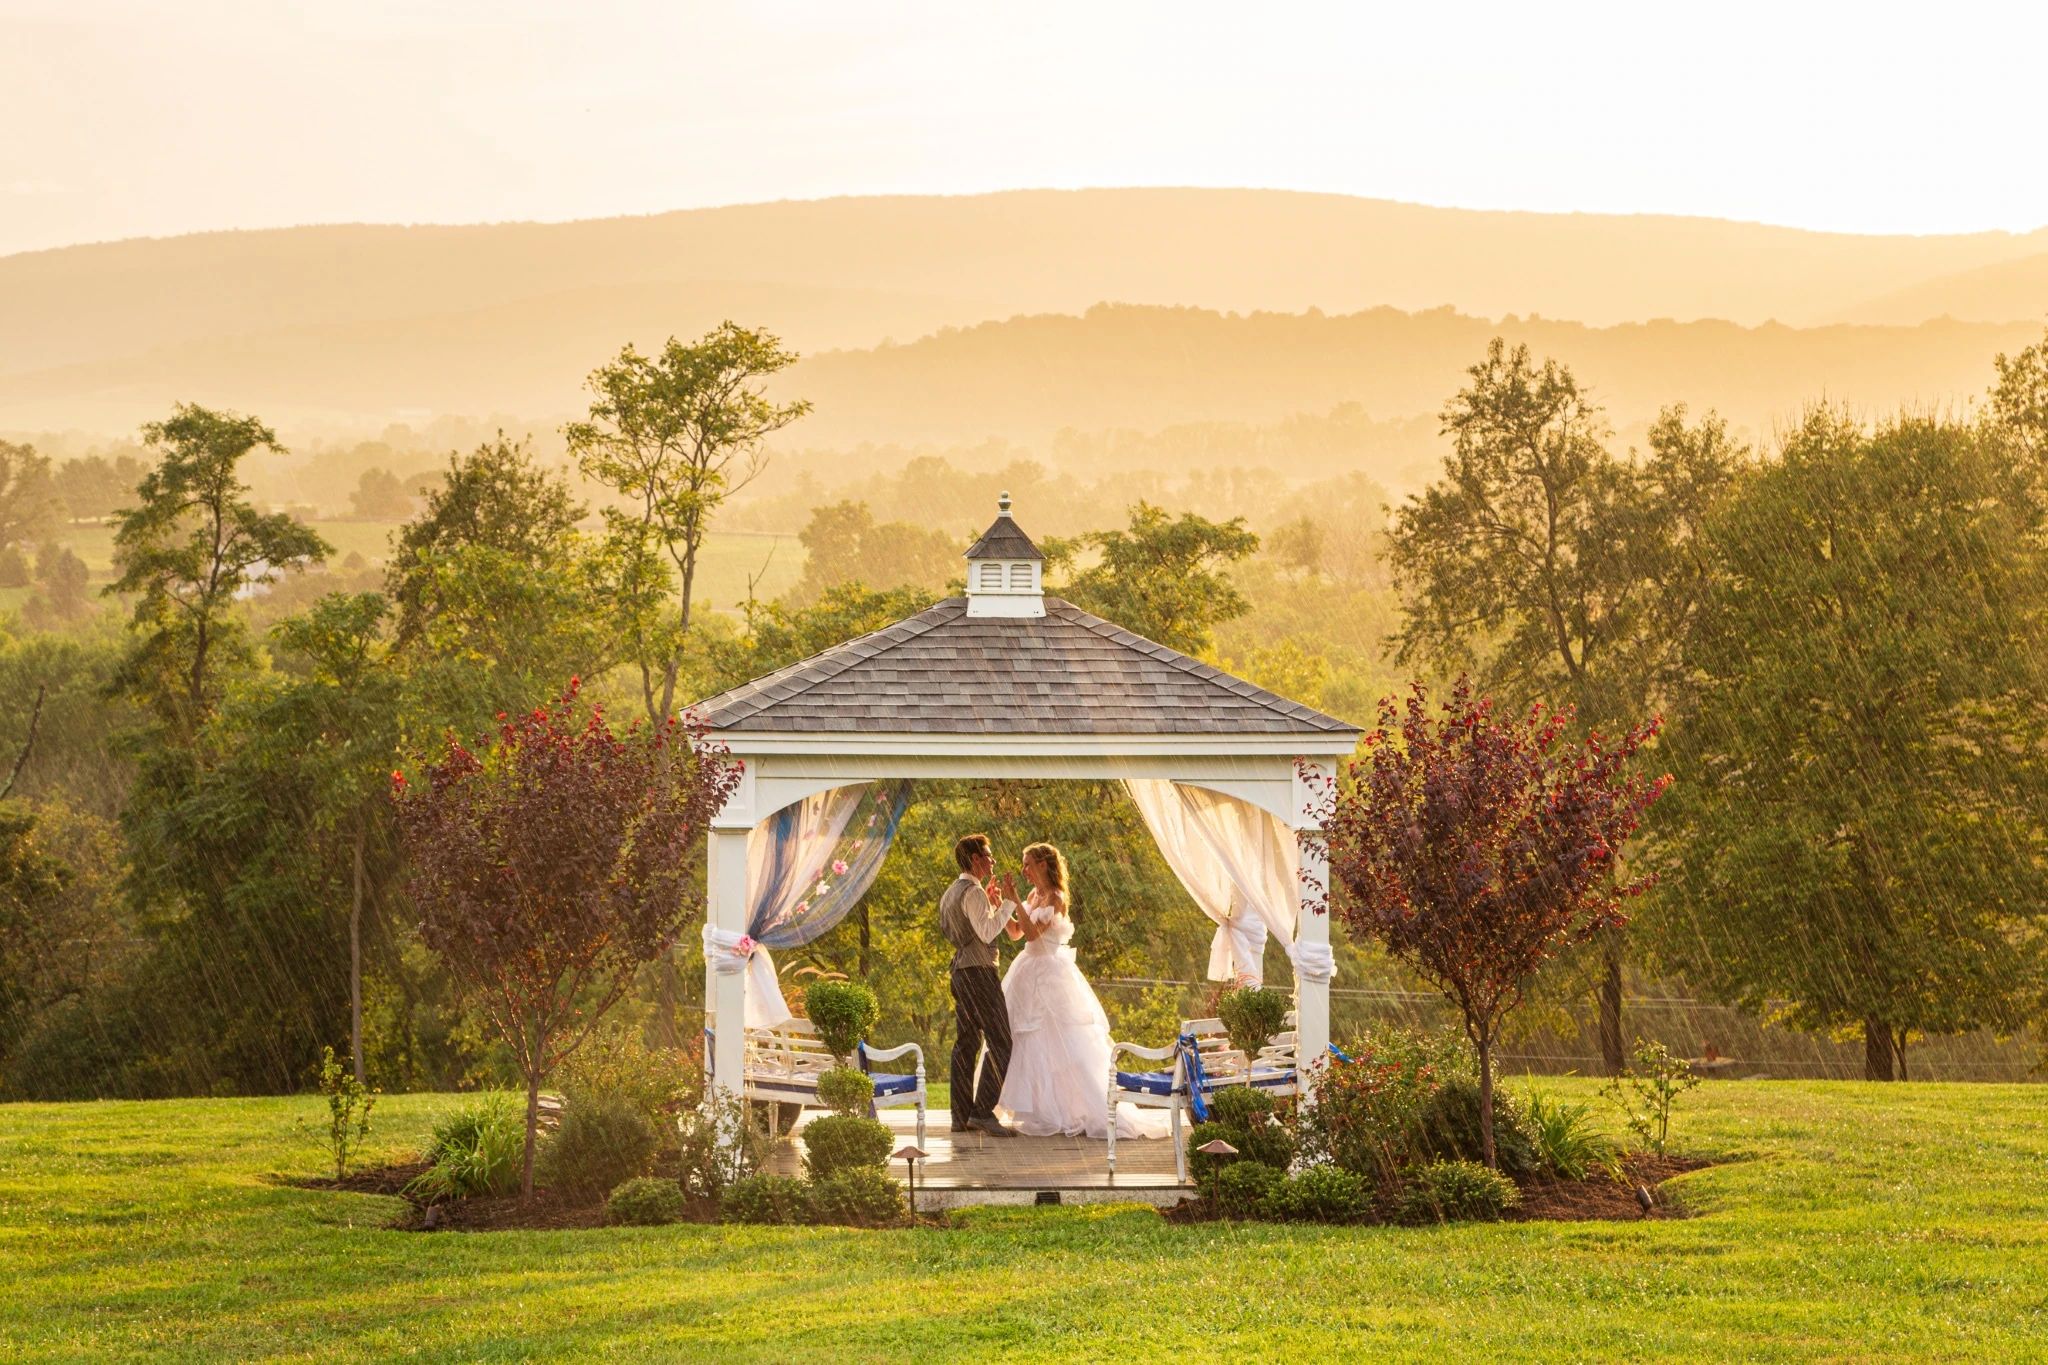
973,910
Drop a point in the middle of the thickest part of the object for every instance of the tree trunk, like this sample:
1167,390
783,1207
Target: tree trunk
866,940
355,961
532,1134
1877,1050
1611,1054
1899,1052
1486,1104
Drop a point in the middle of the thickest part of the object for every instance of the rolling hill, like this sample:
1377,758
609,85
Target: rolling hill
356,324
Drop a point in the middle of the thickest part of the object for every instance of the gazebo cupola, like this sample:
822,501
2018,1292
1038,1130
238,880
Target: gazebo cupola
1005,571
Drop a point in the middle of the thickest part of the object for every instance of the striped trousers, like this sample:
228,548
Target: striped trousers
979,1016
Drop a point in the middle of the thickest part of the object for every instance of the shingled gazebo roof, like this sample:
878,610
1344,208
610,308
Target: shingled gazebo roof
943,671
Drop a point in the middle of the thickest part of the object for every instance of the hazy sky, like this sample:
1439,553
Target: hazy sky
125,119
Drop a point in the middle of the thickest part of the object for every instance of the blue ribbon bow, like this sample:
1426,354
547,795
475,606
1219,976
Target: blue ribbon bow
1191,1059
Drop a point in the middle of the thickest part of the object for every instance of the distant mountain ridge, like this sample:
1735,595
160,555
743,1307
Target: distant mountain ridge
350,326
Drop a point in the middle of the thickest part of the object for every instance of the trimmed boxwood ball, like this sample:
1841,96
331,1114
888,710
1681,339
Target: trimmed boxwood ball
845,1142
845,1090
861,1197
644,1201
842,1012
1240,1106
765,1199
1320,1194
1455,1191
1251,1015
1243,1188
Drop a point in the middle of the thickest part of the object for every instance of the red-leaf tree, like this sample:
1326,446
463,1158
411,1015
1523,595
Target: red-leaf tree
549,865
1475,847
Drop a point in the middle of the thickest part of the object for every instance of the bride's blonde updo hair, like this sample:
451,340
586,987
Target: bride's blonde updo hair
1055,863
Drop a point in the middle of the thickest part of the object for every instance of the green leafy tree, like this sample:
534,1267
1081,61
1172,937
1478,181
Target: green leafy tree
674,435
844,544
2019,404
1162,577
1859,824
345,701
28,497
1556,571
189,547
379,496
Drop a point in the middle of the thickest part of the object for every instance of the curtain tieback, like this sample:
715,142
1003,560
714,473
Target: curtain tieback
1312,961
728,952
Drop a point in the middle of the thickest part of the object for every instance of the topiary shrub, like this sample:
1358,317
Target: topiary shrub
604,1140
1242,1188
1266,1142
1240,1106
845,1142
645,1201
860,1197
842,1012
846,1090
1251,1015
1455,1191
475,1151
1320,1194
765,1199
1448,1129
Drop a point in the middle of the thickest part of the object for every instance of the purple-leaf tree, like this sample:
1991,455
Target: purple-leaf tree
550,863
1475,847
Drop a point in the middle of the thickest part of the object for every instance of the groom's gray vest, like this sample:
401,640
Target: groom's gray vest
968,948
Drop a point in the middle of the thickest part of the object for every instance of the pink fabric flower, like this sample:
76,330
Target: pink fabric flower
802,906
745,947
839,867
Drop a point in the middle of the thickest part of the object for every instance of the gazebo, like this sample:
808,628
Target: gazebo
1006,682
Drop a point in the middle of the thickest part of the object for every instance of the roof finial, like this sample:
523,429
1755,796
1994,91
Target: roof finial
1003,502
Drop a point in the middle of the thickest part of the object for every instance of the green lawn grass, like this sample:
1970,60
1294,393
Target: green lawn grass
1850,1222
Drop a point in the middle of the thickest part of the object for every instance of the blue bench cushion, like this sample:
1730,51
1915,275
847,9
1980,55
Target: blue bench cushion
888,1083
1161,1082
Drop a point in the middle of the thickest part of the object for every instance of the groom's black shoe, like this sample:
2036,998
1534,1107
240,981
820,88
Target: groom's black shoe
993,1127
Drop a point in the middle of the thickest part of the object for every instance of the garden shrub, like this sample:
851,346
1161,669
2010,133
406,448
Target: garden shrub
844,1142
846,1090
1243,1188
349,1103
1449,1128
1266,1143
1320,1194
1455,1191
476,1150
603,1140
1367,1116
1565,1140
616,1060
1251,1015
1150,1020
720,1142
1647,1090
1240,1106
645,1201
765,1199
860,1197
842,1012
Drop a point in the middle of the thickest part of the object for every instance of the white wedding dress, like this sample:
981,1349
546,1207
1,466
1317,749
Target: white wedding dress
1058,1081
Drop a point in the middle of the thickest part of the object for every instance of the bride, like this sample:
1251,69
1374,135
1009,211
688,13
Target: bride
1058,1078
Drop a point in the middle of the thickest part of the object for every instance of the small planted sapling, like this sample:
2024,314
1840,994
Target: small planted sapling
1647,1091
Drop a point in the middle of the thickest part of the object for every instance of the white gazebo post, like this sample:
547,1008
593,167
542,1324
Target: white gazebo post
725,889
1312,997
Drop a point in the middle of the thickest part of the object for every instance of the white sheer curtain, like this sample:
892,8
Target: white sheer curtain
787,868
1243,868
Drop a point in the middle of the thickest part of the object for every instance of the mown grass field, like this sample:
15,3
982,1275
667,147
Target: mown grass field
1849,1222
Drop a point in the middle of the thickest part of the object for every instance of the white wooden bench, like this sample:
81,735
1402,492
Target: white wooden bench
1275,1069
783,1065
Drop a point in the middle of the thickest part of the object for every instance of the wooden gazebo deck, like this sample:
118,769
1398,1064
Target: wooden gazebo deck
972,1168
